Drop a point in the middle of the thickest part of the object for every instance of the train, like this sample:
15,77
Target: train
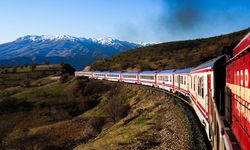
218,91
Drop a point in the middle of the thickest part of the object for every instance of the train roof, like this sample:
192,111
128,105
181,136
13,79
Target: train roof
130,72
242,46
167,71
85,71
115,72
183,71
207,65
148,72
100,72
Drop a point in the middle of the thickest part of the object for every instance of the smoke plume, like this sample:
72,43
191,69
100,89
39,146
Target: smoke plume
180,16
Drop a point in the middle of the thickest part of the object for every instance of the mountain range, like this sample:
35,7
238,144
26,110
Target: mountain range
78,52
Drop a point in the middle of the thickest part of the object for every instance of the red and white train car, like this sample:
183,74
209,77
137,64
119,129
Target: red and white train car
204,85
238,91
99,75
165,79
84,74
147,78
181,81
113,76
130,77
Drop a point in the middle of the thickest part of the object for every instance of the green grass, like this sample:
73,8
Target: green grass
125,135
24,75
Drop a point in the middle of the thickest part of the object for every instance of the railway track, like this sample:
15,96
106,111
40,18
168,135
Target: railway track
199,137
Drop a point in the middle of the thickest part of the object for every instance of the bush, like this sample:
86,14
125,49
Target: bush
116,107
97,123
64,78
93,87
86,103
66,68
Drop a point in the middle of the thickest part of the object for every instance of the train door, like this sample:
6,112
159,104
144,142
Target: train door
208,100
155,77
173,80
138,78
179,81
209,94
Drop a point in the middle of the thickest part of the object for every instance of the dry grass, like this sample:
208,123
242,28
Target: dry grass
178,54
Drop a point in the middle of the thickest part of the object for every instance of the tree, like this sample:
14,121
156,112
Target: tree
116,107
32,67
66,68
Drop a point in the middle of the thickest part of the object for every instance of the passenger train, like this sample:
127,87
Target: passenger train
219,92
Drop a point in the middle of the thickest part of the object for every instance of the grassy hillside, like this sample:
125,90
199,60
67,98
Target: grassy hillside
24,75
83,114
170,55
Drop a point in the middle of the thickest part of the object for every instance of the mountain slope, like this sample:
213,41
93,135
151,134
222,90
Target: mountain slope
82,113
56,49
170,55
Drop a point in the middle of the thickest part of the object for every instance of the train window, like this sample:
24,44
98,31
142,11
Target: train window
199,86
170,79
113,75
246,77
194,83
147,77
163,78
184,80
159,78
129,76
191,82
202,87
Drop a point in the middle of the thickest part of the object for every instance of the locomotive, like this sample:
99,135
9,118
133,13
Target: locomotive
218,90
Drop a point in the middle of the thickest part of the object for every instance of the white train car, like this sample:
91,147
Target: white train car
148,78
203,86
181,81
113,76
88,74
99,75
130,77
165,80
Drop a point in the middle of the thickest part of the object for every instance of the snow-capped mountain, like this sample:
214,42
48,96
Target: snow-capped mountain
79,52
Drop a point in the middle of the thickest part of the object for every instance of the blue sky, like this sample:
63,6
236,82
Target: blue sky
131,20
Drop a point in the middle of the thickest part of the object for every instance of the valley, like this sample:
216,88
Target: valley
82,114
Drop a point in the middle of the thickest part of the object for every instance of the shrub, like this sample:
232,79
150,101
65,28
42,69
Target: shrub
97,123
93,87
64,78
116,107
66,68
86,103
